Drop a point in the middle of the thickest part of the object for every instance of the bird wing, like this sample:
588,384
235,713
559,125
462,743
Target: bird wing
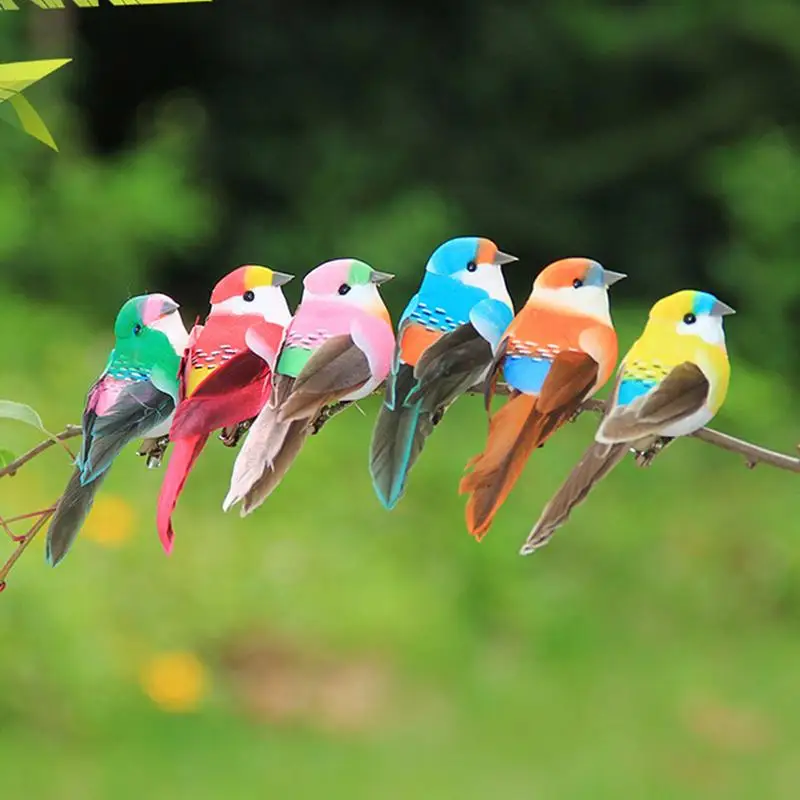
450,366
680,394
336,369
138,408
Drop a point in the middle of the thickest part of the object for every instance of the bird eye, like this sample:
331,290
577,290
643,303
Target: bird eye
249,296
137,329
689,318
471,266
344,288
577,283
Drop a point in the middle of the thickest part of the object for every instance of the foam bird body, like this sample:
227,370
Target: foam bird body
559,350
338,348
135,397
445,344
671,383
225,375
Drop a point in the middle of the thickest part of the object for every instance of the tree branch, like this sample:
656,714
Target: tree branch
69,432
753,454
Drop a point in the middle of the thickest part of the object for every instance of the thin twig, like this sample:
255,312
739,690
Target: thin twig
23,544
69,432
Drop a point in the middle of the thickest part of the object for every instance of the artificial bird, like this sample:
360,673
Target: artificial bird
558,351
671,383
133,398
338,349
226,372
445,342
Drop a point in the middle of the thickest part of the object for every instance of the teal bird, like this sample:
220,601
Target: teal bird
445,344
134,398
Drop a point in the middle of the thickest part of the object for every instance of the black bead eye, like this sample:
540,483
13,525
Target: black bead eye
137,329
249,296
577,283
344,288
471,266
689,318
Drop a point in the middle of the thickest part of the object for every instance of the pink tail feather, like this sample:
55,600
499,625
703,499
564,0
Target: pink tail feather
184,453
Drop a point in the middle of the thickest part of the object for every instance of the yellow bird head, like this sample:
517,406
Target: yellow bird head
691,313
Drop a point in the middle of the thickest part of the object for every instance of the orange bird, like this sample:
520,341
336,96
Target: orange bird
558,351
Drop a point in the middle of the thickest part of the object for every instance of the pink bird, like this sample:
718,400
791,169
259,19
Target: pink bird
338,349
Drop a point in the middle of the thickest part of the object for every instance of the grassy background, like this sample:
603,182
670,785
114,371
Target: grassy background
650,650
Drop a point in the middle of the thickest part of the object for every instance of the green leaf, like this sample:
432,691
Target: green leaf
6,458
31,122
22,413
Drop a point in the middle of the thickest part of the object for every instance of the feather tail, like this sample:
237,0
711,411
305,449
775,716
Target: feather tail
71,511
515,431
184,453
595,464
400,433
292,442
263,443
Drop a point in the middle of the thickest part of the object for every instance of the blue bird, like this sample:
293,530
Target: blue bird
446,339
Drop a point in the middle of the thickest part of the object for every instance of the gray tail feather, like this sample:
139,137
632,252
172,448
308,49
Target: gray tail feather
71,511
292,442
397,441
595,464
262,445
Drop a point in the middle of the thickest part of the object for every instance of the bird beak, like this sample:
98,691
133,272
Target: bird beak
380,277
721,309
167,307
610,277
501,258
280,278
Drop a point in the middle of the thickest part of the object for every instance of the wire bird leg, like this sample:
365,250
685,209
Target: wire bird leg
154,449
327,413
644,458
230,436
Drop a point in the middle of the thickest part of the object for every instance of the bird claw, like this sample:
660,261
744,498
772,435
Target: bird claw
326,413
644,458
573,417
230,436
154,449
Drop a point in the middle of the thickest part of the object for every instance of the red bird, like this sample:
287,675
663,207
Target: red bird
225,374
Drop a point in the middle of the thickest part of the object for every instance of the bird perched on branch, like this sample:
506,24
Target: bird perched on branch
671,383
226,372
338,349
559,350
445,343
135,397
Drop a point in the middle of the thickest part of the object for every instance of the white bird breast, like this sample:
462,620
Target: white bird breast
488,277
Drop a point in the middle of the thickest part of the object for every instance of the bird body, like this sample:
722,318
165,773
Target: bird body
225,375
445,343
671,383
338,348
558,351
134,397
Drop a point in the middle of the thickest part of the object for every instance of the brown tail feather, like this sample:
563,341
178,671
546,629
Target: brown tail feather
595,464
515,431
295,436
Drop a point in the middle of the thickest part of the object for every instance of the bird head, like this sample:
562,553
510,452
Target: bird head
347,281
472,261
576,284
147,325
692,313
252,290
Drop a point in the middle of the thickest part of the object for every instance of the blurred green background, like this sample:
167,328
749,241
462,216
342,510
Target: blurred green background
324,647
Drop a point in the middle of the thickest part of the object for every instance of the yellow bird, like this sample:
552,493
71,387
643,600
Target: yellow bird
671,383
